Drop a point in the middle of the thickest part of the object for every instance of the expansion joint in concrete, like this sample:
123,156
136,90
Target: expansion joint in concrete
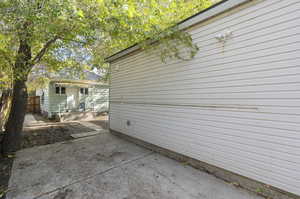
97,174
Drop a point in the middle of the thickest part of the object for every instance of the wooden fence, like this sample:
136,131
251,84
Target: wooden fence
33,104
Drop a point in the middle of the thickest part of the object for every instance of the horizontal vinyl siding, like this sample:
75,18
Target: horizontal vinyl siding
44,105
57,103
235,106
222,143
97,100
46,100
100,99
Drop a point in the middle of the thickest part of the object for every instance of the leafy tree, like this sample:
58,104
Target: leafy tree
72,33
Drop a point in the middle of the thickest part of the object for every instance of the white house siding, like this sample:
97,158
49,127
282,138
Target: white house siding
100,99
236,107
44,104
57,102
97,99
72,98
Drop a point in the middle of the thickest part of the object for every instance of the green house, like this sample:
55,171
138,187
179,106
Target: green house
73,99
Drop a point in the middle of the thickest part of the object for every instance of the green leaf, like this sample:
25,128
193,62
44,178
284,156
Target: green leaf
11,156
89,30
80,13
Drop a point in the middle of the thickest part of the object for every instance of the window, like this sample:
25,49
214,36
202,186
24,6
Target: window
60,90
57,90
84,91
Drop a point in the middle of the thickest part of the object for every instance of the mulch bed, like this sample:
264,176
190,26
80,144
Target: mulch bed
49,133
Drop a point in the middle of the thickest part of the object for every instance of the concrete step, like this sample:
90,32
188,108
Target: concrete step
87,134
91,125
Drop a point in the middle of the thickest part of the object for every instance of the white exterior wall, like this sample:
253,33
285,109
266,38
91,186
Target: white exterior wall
44,105
72,98
96,100
236,107
100,98
57,102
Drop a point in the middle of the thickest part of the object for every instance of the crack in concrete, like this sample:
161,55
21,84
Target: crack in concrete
37,164
96,174
176,184
62,194
60,147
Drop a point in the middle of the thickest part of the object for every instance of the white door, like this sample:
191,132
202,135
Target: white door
72,98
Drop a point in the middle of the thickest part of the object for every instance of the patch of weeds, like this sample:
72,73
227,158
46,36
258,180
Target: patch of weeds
62,194
259,190
11,156
236,184
3,193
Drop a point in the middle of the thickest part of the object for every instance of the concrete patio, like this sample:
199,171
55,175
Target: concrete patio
107,167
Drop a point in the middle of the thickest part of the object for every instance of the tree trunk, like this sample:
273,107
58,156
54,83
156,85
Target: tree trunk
13,129
12,136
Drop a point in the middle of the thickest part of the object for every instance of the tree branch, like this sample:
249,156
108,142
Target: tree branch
42,52
73,40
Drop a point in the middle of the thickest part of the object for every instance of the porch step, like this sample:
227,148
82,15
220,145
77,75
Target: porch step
91,125
87,134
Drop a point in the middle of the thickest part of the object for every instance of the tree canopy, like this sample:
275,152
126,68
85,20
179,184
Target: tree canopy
79,33
76,33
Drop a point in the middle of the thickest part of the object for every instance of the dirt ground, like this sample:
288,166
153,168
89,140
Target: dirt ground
49,133
5,168
43,132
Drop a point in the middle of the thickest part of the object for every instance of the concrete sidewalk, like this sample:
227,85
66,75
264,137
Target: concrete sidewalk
107,167
29,119
33,119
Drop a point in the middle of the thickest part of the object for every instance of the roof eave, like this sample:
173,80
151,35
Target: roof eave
78,81
195,19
